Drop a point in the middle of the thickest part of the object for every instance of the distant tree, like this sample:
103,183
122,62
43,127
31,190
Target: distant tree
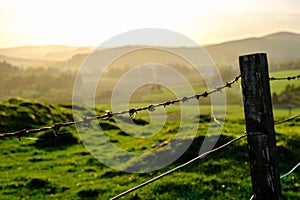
7,69
288,65
275,98
290,95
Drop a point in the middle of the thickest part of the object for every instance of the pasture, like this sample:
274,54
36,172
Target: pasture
44,166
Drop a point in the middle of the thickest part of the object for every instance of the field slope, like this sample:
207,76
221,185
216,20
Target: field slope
45,166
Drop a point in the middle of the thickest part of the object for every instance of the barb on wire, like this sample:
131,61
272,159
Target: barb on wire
178,167
285,78
56,127
286,120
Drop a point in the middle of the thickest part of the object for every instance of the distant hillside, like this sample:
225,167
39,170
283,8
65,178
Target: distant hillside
48,52
281,47
26,62
63,55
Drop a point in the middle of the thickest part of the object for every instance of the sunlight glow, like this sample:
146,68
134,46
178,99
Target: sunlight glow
92,22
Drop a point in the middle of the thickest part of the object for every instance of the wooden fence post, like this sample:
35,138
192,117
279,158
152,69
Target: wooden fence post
260,126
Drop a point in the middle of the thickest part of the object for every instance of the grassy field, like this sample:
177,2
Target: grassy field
62,168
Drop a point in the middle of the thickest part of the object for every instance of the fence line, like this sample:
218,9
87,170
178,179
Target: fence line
158,145
285,78
178,167
286,120
56,127
197,158
167,141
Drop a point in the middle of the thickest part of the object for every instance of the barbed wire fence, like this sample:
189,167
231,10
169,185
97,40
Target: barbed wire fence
198,158
209,152
151,108
285,78
177,168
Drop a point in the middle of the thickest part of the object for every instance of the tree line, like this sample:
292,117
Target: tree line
44,84
55,85
290,95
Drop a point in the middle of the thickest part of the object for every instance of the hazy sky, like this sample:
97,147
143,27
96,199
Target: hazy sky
89,23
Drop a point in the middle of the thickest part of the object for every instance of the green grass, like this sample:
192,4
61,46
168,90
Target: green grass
62,168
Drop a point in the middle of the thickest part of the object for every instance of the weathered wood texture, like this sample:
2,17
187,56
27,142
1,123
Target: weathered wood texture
260,126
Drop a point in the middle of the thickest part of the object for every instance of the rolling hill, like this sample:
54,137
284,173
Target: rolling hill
48,52
280,46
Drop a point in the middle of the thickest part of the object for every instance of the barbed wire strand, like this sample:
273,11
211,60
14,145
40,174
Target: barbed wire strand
286,120
285,78
199,157
151,108
178,167
56,127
